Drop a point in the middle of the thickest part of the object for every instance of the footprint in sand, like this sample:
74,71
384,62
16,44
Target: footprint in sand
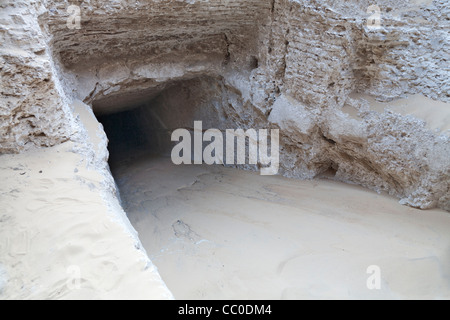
184,231
46,184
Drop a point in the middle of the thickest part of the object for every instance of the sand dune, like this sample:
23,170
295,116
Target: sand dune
60,235
435,114
218,233
213,233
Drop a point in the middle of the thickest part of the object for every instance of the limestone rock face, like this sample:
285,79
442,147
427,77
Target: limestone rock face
33,111
295,65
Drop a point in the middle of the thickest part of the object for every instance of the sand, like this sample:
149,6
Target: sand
212,232
61,236
435,114
219,233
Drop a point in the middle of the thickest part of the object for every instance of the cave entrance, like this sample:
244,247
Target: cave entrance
146,124
132,133
193,219
213,232
221,233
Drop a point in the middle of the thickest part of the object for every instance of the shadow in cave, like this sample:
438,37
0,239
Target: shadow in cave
133,133
146,128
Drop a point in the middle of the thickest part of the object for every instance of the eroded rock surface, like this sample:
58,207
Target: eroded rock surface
33,109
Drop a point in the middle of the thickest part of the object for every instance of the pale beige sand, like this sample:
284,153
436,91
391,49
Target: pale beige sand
221,233
436,114
61,237
213,232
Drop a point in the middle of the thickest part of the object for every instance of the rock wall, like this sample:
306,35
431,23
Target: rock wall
288,64
326,51
33,110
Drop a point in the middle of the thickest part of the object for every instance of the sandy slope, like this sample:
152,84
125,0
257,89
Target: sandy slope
222,233
59,239
212,232
436,114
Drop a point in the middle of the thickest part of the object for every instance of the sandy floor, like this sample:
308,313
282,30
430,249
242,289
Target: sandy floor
212,232
61,237
227,234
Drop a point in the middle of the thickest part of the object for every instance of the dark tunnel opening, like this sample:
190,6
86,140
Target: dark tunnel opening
147,128
124,134
134,133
